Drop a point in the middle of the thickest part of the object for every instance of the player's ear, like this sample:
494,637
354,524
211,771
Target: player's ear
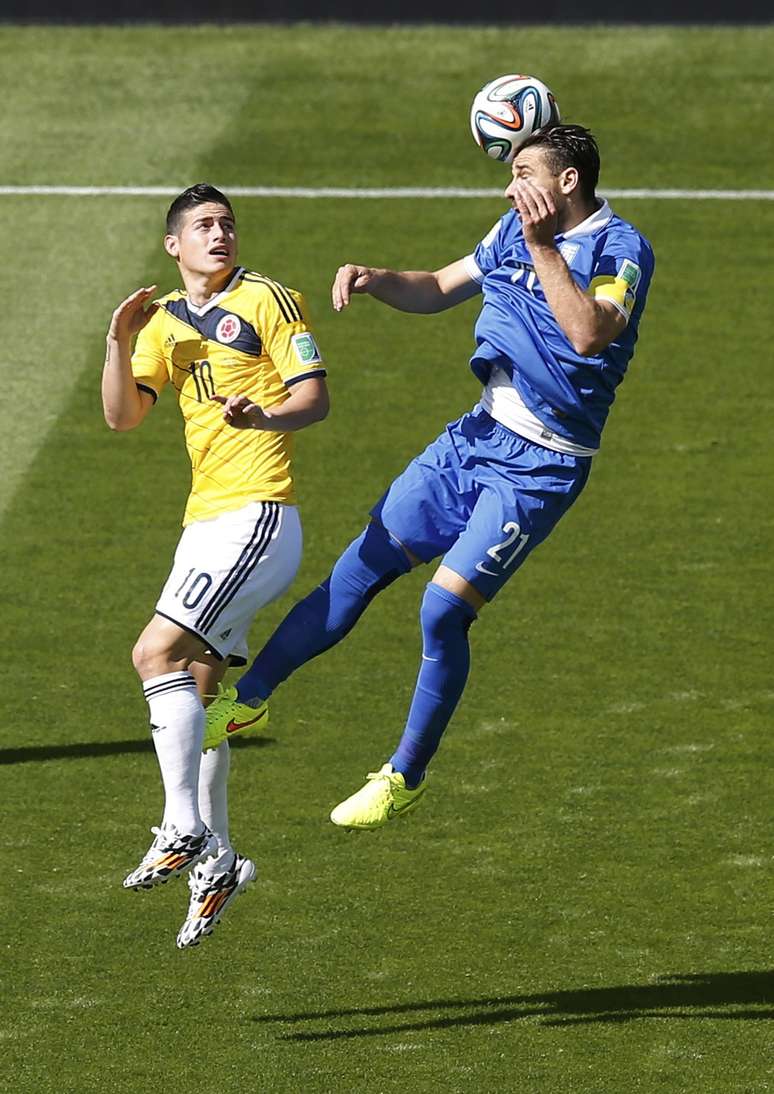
172,246
569,179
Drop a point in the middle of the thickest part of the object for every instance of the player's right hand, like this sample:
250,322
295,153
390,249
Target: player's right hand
131,315
350,279
241,412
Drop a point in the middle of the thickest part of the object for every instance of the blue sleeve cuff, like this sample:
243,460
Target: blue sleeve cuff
144,387
319,374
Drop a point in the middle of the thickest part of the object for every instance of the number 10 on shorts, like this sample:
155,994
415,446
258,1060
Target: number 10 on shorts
193,588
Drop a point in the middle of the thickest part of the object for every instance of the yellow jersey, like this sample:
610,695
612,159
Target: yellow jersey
251,339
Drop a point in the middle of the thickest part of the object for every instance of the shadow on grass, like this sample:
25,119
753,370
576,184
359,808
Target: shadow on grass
726,995
95,749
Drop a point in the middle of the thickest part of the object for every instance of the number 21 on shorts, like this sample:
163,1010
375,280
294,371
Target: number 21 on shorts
505,554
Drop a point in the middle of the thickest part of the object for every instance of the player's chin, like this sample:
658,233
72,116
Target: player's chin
217,262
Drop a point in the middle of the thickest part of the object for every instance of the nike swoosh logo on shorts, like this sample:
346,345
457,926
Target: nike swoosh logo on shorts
233,726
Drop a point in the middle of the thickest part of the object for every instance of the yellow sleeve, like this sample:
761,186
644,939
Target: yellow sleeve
284,324
149,365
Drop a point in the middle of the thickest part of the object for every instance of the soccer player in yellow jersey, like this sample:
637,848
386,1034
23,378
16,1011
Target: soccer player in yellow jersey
237,349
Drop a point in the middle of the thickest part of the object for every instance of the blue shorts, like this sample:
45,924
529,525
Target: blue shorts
481,496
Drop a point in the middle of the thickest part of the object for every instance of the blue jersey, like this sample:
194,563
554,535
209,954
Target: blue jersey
516,329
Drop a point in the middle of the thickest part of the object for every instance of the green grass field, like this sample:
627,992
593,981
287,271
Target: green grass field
583,904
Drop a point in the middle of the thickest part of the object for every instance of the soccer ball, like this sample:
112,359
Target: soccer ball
508,110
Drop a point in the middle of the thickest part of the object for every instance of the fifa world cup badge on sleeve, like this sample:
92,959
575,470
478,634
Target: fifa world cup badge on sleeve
630,273
306,348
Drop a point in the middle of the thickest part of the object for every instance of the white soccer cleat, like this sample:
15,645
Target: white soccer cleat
211,894
171,854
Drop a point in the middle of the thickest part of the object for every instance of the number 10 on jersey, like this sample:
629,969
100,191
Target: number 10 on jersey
202,378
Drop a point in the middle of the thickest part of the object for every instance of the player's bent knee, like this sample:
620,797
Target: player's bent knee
159,649
371,562
376,529
444,613
148,656
452,581
141,657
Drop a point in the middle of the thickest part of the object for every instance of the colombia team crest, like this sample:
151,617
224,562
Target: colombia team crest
228,329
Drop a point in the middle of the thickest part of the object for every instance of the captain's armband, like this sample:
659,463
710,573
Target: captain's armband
619,288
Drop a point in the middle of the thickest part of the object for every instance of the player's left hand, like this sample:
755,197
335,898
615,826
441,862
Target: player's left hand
538,213
240,412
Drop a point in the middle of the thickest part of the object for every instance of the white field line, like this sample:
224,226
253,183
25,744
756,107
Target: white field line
379,193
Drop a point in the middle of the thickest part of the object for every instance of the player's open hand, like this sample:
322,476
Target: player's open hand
538,213
350,279
240,412
131,315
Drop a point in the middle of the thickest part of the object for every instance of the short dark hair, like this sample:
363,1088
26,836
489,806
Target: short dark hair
569,146
199,194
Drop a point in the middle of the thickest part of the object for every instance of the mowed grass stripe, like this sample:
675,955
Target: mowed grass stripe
312,122
78,261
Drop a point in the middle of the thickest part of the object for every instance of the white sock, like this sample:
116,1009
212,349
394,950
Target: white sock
213,800
177,722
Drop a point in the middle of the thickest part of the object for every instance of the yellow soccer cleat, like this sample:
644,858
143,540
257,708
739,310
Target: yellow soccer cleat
384,796
227,718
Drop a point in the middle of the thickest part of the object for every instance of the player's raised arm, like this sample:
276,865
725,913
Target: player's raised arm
123,404
419,291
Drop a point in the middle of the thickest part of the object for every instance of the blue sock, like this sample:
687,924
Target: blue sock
445,620
320,620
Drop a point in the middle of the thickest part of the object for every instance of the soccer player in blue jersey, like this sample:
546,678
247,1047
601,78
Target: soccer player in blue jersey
564,282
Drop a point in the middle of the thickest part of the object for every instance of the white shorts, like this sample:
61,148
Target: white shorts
226,569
